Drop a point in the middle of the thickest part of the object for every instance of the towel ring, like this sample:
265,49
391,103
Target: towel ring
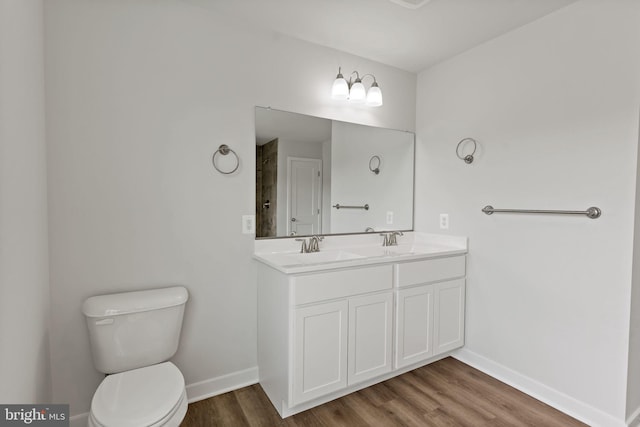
468,159
373,165
224,150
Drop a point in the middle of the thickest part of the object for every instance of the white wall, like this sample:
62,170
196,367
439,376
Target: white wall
24,267
326,186
352,147
633,376
554,107
139,95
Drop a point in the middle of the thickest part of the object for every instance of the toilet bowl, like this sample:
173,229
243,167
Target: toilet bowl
146,397
132,336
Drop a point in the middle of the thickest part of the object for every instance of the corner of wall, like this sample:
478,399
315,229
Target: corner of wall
633,366
24,258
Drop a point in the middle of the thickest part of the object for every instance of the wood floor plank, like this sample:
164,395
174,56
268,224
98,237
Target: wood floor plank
441,418
448,396
372,415
303,419
257,407
457,394
414,395
223,410
337,413
405,414
480,389
379,394
446,393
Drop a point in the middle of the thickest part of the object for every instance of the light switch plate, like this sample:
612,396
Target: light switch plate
389,217
248,224
444,221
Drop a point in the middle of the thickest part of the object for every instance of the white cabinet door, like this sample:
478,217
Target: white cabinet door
414,325
449,315
320,350
370,332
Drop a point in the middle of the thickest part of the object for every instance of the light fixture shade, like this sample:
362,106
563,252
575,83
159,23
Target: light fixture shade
374,96
357,94
340,88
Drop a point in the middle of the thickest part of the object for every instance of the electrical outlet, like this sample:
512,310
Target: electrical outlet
248,224
389,217
444,221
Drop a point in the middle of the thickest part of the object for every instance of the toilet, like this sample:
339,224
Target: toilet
133,335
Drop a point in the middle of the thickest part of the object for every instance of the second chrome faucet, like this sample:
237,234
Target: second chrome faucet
311,245
391,238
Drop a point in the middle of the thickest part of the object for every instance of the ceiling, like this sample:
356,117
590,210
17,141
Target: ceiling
386,32
272,124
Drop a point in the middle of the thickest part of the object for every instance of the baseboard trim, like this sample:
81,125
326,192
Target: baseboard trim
554,398
634,419
219,385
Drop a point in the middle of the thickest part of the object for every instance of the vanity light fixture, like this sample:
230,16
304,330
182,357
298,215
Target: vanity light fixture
354,91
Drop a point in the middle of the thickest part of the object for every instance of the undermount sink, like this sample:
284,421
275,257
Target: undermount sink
289,259
386,251
326,256
403,250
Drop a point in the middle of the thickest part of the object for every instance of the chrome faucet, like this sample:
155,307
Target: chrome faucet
305,246
391,238
314,243
311,245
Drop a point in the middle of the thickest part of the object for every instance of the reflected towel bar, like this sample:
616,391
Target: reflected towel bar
593,212
339,206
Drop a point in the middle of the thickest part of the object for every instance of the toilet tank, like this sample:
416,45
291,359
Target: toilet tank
134,329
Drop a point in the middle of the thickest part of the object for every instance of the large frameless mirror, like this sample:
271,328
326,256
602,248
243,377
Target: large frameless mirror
321,176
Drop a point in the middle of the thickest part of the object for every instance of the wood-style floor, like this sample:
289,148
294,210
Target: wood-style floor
444,393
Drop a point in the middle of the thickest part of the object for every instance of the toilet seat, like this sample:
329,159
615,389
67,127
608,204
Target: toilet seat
145,397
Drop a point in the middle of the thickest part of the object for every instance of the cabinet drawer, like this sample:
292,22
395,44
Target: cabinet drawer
431,270
339,284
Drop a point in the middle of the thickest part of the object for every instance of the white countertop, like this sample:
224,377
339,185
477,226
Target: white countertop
355,250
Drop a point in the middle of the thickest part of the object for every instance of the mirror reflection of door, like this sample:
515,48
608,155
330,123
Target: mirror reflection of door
304,196
266,189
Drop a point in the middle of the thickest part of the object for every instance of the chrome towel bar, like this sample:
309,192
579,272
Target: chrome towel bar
339,206
592,212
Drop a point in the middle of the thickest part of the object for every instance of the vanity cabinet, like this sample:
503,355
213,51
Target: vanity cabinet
414,325
429,308
341,343
370,332
448,332
320,350
323,334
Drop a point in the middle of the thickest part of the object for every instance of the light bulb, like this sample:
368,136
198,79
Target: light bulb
357,94
340,88
374,96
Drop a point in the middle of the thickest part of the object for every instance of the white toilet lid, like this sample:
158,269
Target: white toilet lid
140,397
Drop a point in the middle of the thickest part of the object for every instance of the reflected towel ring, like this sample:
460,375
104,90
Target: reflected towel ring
374,164
468,159
224,150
